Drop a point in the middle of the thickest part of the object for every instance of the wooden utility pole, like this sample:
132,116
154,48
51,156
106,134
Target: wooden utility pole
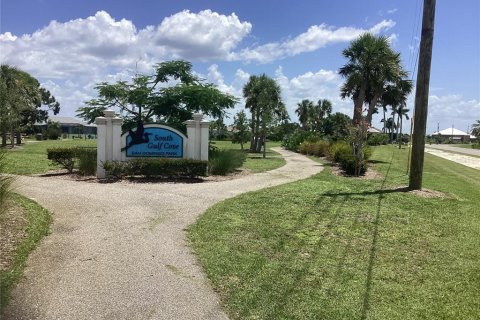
421,95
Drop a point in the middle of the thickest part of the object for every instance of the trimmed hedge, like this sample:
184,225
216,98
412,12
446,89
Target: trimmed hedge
64,157
67,157
156,168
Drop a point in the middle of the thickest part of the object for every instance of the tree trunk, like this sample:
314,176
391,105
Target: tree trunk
252,139
396,131
358,105
400,140
384,121
12,137
371,108
19,138
4,136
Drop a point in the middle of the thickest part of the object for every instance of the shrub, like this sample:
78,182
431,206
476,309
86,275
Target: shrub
5,183
335,148
293,141
305,148
64,157
377,139
342,153
320,148
87,161
222,162
156,168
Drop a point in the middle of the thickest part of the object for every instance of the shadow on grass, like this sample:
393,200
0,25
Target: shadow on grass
369,193
376,161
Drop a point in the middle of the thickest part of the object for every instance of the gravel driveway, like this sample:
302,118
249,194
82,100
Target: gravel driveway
119,251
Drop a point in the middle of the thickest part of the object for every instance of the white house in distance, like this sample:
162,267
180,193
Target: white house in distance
455,135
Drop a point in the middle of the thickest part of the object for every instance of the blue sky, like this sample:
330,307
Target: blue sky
71,45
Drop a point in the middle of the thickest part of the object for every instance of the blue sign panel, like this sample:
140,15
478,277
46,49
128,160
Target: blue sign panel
154,142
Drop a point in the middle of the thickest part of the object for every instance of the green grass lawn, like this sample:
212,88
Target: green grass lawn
31,157
333,247
37,226
255,162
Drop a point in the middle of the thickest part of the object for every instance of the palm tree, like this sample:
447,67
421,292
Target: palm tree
476,129
402,111
304,111
263,98
371,66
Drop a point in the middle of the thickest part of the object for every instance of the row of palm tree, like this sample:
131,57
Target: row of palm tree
310,115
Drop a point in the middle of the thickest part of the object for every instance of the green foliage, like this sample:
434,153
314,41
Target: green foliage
377,139
5,184
144,98
223,162
64,157
475,145
53,130
67,157
156,168
87,161
241,133
335,126
292,142
311,116
342,153
318,148
22,100
263,97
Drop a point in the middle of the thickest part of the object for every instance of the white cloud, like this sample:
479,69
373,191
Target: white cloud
314,38
452,109
206,35
392,11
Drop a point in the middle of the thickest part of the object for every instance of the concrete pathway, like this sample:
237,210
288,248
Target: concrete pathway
119,251
466,160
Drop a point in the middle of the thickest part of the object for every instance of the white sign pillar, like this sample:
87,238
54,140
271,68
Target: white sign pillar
109,130
198,134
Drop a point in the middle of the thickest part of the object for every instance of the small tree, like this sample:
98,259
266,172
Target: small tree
241,133
145,100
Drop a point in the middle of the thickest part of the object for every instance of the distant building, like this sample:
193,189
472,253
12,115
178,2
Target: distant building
452,134
71,127
374,130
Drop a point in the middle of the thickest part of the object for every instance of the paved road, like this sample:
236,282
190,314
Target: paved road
466,160
118,251
452,148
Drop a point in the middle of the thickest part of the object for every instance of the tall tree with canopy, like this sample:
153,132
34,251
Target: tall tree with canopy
263,98
303,112
372,66
23,101
144,100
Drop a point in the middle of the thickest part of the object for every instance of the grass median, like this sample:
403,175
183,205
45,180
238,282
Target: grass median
332,247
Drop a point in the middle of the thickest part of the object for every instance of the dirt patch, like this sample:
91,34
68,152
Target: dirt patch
427,193
370,174
13,223
64,175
